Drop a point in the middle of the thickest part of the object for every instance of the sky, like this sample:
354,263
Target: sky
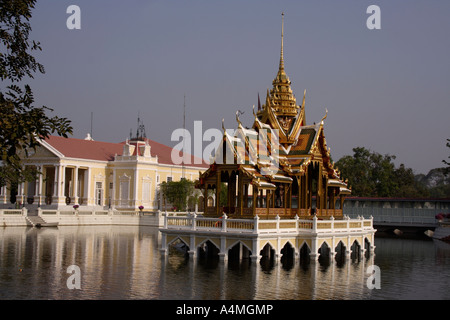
385,89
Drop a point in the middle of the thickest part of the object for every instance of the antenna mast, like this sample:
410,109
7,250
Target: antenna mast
183,172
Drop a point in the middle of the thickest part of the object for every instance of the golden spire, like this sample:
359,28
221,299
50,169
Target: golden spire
281,97
282,35
280,100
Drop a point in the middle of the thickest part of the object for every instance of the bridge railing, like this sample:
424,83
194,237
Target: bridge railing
399,216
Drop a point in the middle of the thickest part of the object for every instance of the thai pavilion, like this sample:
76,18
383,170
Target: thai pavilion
281,166
276,191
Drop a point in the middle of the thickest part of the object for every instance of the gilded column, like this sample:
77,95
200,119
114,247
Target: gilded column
319,200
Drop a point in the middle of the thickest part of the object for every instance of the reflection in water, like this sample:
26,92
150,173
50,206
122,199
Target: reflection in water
123,262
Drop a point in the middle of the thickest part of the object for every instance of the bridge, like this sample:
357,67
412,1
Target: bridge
397,213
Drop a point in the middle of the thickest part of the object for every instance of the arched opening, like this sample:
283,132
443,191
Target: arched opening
304,255
267,252
324,254
313,185
201,204
367,245
178,248
267,257
207,250
356,250
340,254
287,256
239,252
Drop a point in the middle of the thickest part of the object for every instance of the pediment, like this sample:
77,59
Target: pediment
41,152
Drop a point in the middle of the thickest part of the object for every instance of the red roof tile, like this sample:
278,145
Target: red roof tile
105,151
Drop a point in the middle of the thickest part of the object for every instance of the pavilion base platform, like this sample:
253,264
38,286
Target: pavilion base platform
258,237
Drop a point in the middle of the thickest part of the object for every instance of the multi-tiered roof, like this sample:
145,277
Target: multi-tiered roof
279,148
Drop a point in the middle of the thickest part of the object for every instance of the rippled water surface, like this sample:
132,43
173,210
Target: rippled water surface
119,262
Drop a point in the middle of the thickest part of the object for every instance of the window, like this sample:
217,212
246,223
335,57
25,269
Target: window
99,193
124,190
146,189
169,179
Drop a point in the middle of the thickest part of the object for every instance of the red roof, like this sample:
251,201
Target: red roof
105,151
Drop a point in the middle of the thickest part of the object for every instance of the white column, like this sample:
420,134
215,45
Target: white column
3,194
61,184
55,184
20,192
75,185
135,192
87,186
41,169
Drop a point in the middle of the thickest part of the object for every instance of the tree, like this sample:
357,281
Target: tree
447,169
177,192
371,174
21,123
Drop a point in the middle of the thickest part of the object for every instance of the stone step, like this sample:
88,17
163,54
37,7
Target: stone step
36,221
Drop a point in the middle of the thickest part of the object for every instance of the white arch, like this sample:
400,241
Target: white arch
235,243
178,238
206,240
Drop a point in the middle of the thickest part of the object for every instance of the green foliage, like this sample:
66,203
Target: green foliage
371,174
21,123
177,193
447,169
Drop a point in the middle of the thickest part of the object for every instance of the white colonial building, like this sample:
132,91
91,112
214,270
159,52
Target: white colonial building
97,175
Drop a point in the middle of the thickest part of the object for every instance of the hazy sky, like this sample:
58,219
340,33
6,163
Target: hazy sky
387,90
